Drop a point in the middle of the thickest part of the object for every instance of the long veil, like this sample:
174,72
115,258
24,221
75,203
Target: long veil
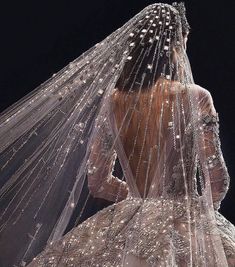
60,145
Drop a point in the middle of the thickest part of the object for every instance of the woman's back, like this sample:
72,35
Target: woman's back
149,131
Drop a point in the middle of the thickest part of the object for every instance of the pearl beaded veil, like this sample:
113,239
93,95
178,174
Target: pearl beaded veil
130,98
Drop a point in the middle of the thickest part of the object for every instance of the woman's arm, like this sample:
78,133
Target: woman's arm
211,149
101,182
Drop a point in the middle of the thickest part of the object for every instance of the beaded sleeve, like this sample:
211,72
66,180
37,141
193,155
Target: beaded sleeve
214,160
101,181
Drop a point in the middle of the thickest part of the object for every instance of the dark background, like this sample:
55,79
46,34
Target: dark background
39,38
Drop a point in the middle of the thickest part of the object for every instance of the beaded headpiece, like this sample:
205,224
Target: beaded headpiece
180,7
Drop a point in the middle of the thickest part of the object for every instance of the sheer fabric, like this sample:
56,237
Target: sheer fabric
130,98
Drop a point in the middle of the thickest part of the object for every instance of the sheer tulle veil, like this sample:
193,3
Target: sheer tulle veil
48,139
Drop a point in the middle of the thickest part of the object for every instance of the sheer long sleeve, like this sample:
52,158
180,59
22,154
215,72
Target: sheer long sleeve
211,146
101,181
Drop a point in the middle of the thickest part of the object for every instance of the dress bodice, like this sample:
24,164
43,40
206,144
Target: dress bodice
160,145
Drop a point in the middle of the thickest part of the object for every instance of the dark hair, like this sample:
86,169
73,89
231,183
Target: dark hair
148,51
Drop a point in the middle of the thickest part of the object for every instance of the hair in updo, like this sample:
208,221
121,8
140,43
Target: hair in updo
151,43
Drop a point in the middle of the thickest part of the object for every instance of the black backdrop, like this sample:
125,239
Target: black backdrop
38,38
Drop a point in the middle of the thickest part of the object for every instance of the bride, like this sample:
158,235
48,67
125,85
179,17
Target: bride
129,99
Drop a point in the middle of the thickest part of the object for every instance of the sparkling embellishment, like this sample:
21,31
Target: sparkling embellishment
79,126
100,92
92,170
158,229
150,217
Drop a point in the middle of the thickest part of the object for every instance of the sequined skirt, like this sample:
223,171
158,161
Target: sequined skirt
155,232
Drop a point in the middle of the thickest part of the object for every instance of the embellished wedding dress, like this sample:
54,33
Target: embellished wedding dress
149,225
130,99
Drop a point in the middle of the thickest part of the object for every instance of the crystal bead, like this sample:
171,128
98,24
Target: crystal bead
100,92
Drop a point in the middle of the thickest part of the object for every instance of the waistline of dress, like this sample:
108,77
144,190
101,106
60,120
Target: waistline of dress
162,199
